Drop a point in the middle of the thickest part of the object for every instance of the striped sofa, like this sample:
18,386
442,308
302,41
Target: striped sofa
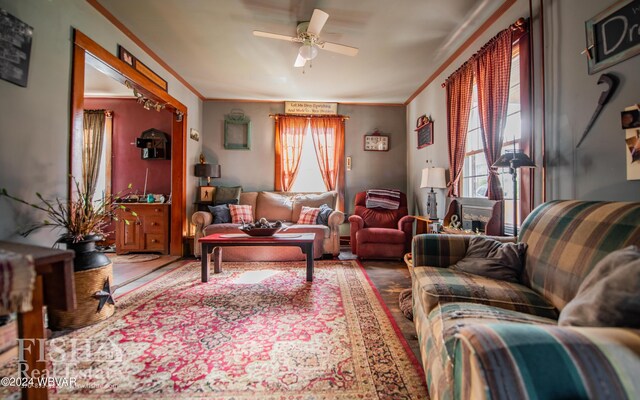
487,339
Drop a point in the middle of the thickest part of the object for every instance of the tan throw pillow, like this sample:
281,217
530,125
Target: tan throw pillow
274,206
610,294
493,259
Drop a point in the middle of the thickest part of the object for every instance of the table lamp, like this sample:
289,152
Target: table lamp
434,178
514,159
204,170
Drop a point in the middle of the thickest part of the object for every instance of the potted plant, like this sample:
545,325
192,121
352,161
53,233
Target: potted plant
83,222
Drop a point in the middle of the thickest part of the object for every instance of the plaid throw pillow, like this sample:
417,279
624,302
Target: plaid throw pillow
308,215
241,213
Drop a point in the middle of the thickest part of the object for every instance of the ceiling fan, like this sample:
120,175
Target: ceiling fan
309,36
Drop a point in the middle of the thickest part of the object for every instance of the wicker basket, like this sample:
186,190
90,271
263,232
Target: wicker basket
408,259
87,283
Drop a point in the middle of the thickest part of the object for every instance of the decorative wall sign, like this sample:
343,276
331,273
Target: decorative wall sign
310,108
130,59
613,35
15,49
376,142
424,130
194,134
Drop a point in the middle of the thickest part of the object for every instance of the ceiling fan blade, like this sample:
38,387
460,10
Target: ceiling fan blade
318,19
300,62
339,48
275,36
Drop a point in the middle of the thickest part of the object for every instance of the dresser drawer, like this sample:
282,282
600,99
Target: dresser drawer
155,241
156,210
154,224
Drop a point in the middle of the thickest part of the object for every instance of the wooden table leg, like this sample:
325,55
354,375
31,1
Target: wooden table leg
204,254
31,355
217,260
307,249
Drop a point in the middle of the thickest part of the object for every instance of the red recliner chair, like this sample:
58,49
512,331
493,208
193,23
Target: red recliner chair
379,232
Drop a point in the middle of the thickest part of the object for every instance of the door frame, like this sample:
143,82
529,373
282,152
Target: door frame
86,50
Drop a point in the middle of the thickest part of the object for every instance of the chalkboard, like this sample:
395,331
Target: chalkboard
15,49
613,35
425,134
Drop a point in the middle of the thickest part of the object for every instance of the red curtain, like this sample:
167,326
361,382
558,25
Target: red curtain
492,67
328,140
459,91
289,138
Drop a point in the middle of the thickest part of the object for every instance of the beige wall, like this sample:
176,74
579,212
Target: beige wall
34,121
254,169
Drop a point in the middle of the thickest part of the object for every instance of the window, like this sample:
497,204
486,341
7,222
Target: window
475,171
310,154
309,177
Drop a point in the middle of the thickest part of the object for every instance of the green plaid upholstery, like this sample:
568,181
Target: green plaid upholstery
567,238
438,250
481,338
435,250
440,329
436,286
517,361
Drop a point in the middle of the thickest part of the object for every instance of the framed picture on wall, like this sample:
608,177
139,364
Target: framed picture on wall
376,142
205,194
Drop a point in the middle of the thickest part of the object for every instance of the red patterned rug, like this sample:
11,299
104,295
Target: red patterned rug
255,331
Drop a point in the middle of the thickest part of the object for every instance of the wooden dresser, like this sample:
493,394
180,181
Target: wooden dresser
148,232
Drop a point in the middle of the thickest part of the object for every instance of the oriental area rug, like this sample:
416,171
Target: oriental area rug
255,331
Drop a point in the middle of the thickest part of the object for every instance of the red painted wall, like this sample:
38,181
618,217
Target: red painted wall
130,119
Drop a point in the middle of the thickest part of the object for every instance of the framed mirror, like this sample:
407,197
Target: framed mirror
237,131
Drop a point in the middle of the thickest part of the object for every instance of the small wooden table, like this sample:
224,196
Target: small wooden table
214,243
54,286
422,224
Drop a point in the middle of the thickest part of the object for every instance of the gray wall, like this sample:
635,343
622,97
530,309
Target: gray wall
596,170
254,169
432,101
374,169
34,121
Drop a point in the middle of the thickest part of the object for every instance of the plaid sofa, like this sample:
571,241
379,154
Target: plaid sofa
486,339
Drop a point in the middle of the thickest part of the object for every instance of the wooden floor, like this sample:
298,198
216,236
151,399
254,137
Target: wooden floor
125,272
391,277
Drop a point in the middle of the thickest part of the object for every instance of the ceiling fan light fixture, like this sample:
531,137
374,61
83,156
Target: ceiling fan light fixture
308,51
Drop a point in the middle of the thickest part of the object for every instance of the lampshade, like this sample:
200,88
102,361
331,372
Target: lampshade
203,170
308,51
514,159
433,177
207,171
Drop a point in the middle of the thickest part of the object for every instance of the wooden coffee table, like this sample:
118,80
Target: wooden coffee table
214,243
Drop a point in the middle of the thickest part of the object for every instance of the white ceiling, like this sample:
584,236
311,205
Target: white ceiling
210,44
97,84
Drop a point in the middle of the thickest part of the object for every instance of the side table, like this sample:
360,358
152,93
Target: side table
422,224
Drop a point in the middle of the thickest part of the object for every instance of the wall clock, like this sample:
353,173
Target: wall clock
376,142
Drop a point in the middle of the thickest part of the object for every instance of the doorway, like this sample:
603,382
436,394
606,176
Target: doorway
87,52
